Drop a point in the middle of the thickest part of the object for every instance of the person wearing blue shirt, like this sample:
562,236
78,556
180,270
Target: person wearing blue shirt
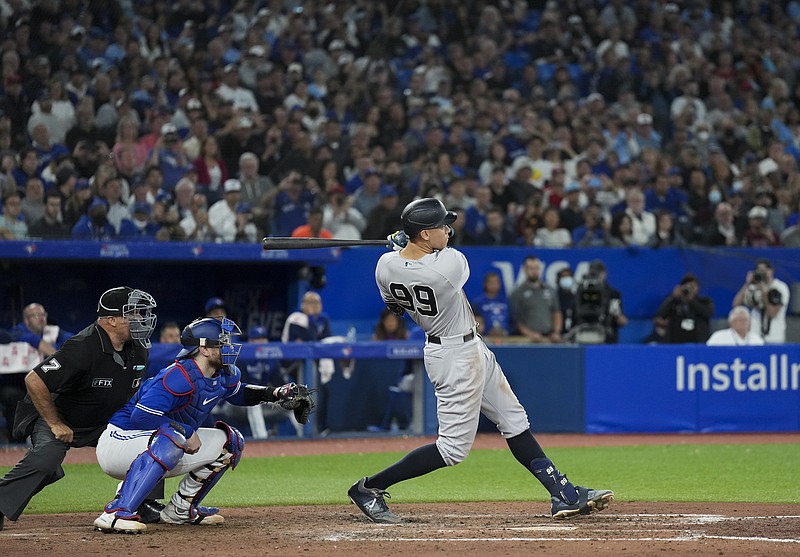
493,306
159,432
94,225
32,331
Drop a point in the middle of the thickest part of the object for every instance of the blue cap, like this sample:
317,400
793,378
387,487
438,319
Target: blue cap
97,202
595,182
164,197
572,186
388,191
142,207
214,303
244,208
257,331
82,184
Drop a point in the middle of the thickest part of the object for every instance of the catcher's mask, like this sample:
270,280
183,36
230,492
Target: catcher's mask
211,332
133,304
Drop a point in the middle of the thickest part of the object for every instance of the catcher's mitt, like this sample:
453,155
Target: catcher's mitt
296,398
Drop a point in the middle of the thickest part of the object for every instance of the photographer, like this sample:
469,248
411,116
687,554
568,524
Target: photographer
598,309
767,298
685,314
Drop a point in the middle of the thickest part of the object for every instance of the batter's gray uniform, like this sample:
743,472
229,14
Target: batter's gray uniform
465,374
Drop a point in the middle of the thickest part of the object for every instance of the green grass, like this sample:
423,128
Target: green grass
713,473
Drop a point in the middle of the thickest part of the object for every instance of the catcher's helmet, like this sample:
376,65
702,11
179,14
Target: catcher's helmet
211,332
424,214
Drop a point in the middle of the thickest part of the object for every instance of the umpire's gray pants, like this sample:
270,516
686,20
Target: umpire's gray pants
40,467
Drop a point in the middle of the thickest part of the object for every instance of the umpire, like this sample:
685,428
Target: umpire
73,393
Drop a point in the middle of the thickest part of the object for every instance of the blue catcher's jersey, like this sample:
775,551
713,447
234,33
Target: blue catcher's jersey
179,393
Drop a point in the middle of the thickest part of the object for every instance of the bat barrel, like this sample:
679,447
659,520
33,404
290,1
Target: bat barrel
312,243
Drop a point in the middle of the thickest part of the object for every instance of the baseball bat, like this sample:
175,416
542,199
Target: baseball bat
310,243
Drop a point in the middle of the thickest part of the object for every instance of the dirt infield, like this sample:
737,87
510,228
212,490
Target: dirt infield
633,528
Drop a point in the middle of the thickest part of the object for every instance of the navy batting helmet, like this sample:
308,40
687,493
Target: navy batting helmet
424,214
211,333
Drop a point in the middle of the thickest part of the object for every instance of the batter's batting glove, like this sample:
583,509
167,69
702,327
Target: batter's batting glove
296,398
398,240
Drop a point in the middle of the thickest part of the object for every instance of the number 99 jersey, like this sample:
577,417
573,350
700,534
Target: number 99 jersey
430,289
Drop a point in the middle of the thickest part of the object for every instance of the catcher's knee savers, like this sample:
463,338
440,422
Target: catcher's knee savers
208,476
166,447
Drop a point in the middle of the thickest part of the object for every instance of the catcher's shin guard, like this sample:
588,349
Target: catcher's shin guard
556,483
194,487
164,452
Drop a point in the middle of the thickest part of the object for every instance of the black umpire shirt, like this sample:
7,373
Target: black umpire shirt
90,380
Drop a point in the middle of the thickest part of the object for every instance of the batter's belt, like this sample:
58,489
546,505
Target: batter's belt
456,340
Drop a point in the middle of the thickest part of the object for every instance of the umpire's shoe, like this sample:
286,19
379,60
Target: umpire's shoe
110,523
150,511
589,501
371,502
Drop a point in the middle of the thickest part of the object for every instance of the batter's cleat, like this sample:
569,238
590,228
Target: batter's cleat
173,515
110,523
589,501
371,502
150,511
2,520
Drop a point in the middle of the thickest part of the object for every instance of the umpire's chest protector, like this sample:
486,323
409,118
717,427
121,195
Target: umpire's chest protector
196,395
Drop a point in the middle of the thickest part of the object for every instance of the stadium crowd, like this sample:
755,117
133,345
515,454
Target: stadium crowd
552,124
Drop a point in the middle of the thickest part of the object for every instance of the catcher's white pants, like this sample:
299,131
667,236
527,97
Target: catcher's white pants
118,448
468,381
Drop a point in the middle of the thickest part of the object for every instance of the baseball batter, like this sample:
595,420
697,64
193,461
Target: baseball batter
157,433
425,278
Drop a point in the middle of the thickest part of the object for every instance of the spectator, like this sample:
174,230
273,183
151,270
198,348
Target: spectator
169,333
758,234
12,227
571,215
50,226
768,299
738,333
666,235
662,195
398,405
724,231
211,170
195,225
475,215
216,308
292,204
496,232
384,219
492,305
168,155
257,190
246,231
685,314
43,338
551,235
94,225
368,196
340,217
595,231
598,308
127,146
222,214
310,324
140,226
313,227
643,223
621,230
111,191
33,203
534,305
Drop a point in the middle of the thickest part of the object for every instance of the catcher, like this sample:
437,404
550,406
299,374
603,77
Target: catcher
157,434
